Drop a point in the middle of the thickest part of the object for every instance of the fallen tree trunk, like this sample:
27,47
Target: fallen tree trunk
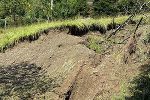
138,25
134,31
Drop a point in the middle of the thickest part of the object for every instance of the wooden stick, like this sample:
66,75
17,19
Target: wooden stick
121,26
138,25
135,30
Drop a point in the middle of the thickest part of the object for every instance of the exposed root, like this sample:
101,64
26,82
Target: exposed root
74,30
68,94
132,22
112,26
99,28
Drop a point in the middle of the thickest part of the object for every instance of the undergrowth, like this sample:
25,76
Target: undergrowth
93,43
139,87
146,38
124,91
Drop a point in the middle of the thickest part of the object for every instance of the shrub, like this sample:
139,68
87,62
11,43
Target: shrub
105,7
66,9
112,7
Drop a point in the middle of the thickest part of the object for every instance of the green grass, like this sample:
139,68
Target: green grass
12,35
138,88
146,37
124,92
93,43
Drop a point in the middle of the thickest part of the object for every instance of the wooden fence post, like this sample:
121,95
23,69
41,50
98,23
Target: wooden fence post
52,4
5,25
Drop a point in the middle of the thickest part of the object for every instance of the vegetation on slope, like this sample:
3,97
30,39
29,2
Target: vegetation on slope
11,36
22,12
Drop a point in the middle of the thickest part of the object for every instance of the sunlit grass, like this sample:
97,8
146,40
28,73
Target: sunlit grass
10,35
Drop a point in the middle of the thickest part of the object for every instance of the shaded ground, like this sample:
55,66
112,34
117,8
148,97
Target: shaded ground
80,73
141,84
23,81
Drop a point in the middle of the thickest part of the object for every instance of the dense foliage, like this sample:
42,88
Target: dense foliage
112,7
21,12
29,11
70,8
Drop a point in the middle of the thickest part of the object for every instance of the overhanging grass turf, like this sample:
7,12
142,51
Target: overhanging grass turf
12,35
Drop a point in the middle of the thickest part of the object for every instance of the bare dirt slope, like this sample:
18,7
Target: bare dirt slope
81,73
57,53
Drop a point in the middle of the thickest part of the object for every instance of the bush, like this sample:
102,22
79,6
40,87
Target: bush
112,7
105,7
2,23
66,9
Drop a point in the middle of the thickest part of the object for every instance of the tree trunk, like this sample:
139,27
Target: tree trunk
48,18
14,18
5,23
14,14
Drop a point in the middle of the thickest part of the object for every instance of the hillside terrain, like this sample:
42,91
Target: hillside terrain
74,49
69,67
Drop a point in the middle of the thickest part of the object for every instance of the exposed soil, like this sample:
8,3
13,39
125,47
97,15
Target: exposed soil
80,72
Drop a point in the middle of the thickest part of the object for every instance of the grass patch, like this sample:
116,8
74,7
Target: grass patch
123,92
140,89
93,43
146,38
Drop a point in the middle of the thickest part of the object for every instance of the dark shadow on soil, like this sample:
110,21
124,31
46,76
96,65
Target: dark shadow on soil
76,31
23,81
141,88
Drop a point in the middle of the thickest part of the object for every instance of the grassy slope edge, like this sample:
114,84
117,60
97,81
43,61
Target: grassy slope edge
13,35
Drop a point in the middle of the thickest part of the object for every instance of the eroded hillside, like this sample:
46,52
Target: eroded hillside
75,72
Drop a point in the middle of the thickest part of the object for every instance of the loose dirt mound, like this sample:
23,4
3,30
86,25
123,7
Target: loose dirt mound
80,73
